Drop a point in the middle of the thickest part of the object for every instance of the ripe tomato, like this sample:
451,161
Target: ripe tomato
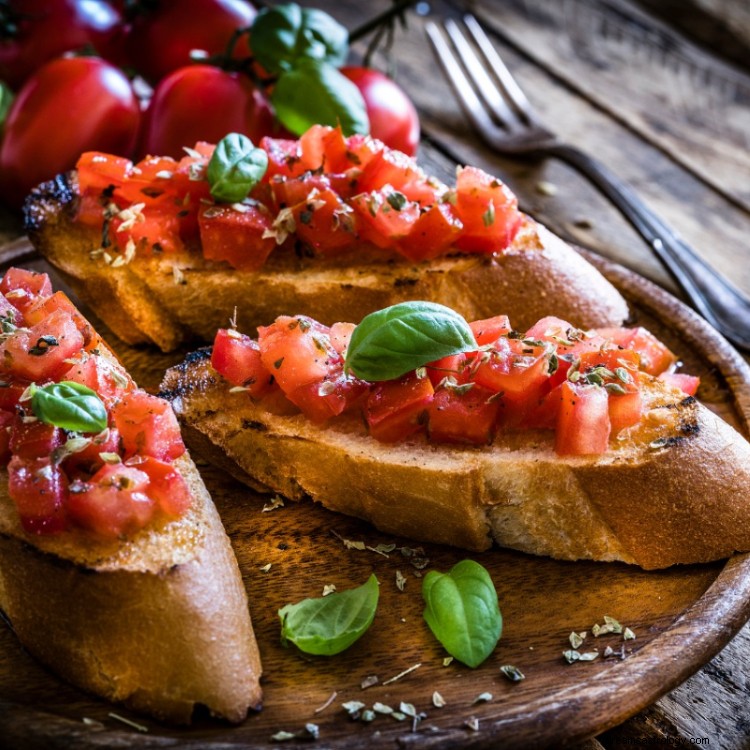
148,427
44,29
203,103
236,357
37,487
69,106
163,35
393,118
583,424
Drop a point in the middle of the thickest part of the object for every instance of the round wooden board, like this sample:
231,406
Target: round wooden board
681,617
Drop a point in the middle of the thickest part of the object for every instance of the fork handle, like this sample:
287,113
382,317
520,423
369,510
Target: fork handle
722,304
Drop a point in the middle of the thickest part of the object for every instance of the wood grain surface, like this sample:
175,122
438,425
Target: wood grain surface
681,617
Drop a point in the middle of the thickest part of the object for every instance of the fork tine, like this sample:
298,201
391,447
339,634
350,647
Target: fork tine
504,76
471,104
483,84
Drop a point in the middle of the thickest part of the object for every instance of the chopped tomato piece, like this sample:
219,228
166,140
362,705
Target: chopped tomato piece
434,233
688,384
100,375
488,211
384,216
340,335
23,287
236,236
37,487
396,409
34,439
335,395
284,157
9,314
44,307
583,424
89,459
97,171
625,410
656,358
324,147
40,353
6,425
324,222
166,486
158,231
399,171
488,331
453,366
236,357
462,416
115,502
148,426
11,390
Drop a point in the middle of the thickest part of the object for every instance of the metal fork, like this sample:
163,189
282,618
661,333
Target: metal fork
501,113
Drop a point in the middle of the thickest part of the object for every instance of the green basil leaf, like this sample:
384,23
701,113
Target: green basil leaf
69,405
462,611
283,35
236,166
393,341
6,99
330,624
316,92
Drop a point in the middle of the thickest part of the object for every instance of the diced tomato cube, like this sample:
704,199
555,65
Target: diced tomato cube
488,211
656,358
384,217
324,147
37,487
488,331
236,358
397,409
89,459
284,157
321,401
40,353
159,231
7,418
10,391
625,410
148,426
235,236
34,439
324,222
104,378
453,366
456,415
44,307
542,413
97,171
688,384
434,233
399,171
115,502
9,314
340,335
166,486
287,193
583,424
23,287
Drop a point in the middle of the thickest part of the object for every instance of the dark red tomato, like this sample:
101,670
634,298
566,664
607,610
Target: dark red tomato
458,416
203,103
44,29
68,106
236,357
34,439
166,486
164,34
395,409
37,487
393,118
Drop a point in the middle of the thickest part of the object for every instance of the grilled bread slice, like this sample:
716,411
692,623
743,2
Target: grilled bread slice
674,488
169,298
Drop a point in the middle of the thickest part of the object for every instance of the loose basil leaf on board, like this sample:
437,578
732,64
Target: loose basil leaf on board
315,92
236,166
69,405
6,99
283,35
393,341
330,624
462,611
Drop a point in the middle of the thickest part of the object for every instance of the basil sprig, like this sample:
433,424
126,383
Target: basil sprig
462,611
393,341
236,166
330,624
69,405
303,48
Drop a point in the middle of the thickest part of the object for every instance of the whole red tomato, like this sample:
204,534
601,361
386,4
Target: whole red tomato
161,38
202,103
32,32
70,105
393,118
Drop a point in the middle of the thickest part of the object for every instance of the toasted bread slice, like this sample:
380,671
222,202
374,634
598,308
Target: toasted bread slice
171,298
673,489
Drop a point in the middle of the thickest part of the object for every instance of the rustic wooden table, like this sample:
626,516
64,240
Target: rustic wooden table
672,118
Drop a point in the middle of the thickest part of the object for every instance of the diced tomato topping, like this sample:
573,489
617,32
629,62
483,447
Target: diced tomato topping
236,236
284,157
113,503
44,307
340,334
433,233
324,147
40,353
488,211
656,358
324,222
89,459
157,232
97,171
23,287
488,331
384,217
100,375
688,384
37,487
7,419
333,396
10,391
462,416
34,439
583,424
454,366
397,409
166,486
236,358
148,427
9,314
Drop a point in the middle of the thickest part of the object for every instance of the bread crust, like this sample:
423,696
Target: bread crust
172,298
674,489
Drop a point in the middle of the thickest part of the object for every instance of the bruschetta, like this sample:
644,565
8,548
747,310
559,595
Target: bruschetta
115,569
554,441
335,228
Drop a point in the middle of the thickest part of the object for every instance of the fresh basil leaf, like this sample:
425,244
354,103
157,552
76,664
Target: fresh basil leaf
69,405
236,166
6,99
283,35
316,92
462,611
393,341
330,624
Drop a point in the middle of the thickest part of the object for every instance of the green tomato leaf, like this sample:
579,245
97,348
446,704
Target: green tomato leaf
330,624
236,166
285,34
6,99
393,341
69,405
462,611
317,93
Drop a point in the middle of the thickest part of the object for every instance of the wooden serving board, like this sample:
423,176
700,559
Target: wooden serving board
681,617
